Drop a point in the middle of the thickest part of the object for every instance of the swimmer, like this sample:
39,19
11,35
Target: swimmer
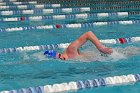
72,50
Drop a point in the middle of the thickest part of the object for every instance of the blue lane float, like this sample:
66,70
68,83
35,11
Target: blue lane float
71,26
81,84
65,45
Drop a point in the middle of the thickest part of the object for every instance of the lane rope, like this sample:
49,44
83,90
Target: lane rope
71,26
37,6
87,4
81,84
45,11
65,45
69,16
68,10
18,3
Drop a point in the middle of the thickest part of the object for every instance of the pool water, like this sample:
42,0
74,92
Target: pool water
27,69
30,69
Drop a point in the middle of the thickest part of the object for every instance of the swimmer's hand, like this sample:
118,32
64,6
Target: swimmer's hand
106,50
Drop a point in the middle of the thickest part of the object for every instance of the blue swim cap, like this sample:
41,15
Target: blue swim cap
50,53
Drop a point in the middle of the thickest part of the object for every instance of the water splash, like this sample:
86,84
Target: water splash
92,55
24,56
39,56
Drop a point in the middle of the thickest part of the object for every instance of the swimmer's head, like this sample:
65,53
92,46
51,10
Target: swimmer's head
50,53
54,54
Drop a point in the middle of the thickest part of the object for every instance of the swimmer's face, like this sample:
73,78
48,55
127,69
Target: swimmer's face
61,56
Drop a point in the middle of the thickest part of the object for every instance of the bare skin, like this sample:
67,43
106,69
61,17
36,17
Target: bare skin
73,49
